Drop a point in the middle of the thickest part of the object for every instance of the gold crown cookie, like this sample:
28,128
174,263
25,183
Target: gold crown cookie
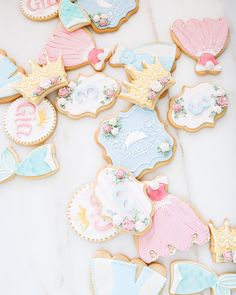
223,242
43,80
148,85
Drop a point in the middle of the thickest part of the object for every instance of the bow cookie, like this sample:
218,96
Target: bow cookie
41,162
191,278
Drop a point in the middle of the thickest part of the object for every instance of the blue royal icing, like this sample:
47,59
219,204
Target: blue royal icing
72,14
8,77
107,13
40,162
121,278
138,140
193,278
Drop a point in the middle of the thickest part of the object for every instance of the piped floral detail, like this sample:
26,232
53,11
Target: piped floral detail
165,148
111,127
45,85
156,87
100,20
120,175
221,101
228,256
178,108
135,223
109,94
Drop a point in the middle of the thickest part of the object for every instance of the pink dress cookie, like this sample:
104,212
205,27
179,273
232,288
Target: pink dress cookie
77,48
175,225
203,40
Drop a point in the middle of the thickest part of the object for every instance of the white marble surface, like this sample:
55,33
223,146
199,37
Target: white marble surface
39,252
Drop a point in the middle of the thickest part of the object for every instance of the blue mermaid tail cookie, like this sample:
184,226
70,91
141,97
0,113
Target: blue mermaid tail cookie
41,162
72,15
192,278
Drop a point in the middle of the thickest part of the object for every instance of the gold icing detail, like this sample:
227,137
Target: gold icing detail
141,83
82,215
222,239
42,118
30,83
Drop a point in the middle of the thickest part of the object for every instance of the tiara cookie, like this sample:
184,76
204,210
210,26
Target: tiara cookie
223,242
147,86
43,80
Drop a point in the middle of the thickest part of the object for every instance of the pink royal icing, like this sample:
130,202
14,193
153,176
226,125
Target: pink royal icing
77,49
175,226
36,5
203,39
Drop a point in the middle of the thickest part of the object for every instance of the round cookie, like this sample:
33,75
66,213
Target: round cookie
42,10
84,214
29,124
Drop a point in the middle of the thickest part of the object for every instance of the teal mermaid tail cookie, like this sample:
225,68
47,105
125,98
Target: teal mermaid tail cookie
192,278
41,162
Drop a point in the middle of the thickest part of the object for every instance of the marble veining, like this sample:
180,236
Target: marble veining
40,254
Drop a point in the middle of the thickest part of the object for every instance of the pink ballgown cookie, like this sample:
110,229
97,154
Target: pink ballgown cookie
77,48
175,225
203,40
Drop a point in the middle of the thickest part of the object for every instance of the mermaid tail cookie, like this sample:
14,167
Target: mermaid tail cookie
72,15
41,162
77,48
191,278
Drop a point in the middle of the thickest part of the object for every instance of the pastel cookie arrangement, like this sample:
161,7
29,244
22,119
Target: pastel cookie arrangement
134,142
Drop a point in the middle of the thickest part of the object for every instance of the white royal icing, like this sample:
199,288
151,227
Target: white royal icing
28,124
123,199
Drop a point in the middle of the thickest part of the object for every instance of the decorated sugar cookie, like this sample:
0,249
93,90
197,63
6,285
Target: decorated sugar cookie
203,40
39,10
108,15
123,199
29,124
72,15
148,85
137,140
40,163
119,275
77,48
10,73
85,217
166,54
188,277
87,96
223,243
175,224
198,107
43,80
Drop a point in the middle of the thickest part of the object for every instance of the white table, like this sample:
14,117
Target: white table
39,252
